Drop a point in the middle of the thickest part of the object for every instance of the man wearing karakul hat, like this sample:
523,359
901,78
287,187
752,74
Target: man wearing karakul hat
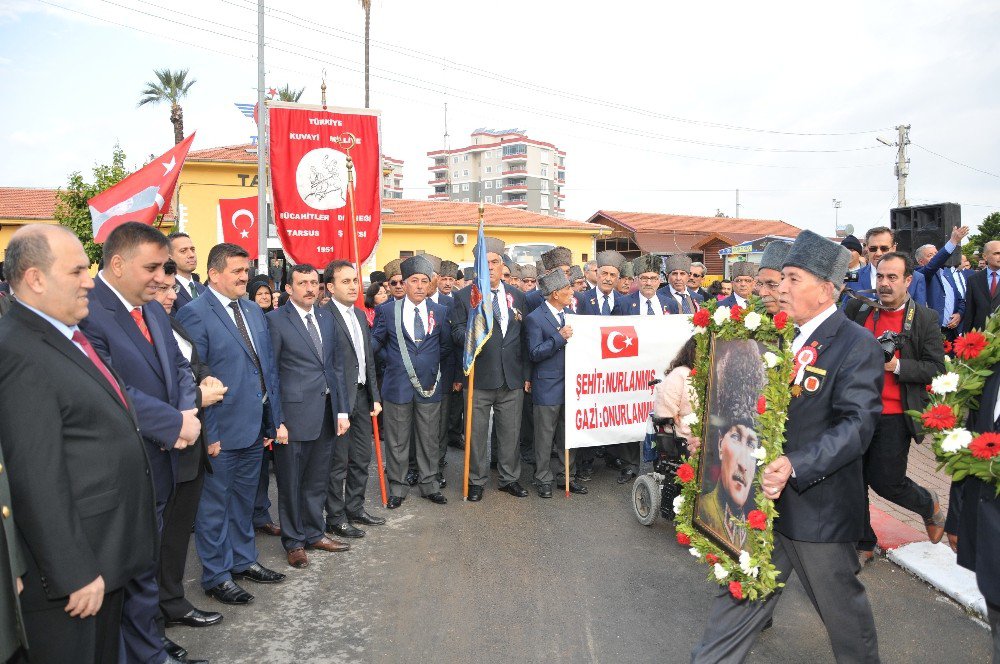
743,275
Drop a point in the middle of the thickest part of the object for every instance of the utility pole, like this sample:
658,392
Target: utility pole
836,216
737,203
902,162
262,223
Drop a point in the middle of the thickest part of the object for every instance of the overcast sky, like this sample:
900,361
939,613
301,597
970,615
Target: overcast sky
660,106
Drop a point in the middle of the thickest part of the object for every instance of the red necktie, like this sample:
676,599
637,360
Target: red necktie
993,284
141,322
92,354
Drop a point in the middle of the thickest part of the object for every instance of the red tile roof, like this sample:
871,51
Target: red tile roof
666,233
27,203
451,213
233,153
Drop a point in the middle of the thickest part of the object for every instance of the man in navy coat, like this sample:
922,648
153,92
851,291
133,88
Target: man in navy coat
678,269
184,254
231,336
743,274
556,258
648,301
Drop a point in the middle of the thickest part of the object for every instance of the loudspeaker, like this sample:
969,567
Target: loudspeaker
926,224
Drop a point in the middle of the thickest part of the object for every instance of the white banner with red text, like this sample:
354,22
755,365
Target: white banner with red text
610,361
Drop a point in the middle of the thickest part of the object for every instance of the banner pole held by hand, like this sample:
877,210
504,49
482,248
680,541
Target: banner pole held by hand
378,460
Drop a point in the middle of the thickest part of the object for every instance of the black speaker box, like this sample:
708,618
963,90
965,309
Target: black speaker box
926,224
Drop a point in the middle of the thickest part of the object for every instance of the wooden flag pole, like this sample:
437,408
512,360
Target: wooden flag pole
378,461
468,430
566,461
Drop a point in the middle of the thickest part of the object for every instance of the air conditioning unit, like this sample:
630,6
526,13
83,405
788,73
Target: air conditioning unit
461,238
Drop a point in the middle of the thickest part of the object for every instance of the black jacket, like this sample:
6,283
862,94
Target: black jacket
191,457
349,357
503,360
978,303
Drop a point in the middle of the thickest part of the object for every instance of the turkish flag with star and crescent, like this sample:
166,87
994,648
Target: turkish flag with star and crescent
621,341
141,196
239,223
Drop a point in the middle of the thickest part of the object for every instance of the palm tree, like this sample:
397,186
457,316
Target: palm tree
171,86
367,6
287,94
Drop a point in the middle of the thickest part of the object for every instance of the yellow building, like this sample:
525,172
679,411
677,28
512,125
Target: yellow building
20,206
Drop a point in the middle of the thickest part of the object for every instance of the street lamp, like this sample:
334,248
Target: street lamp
836,216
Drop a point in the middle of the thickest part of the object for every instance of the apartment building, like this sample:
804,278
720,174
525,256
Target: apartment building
503,167
392,177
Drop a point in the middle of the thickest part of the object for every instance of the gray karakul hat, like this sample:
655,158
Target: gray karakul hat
646,263
494,245
515,270
528,272
540,268
627,272
557,256
575,272
814,253
434,261
391,269
742,269
416,265
507,261
774,256
469,274
677,262
449,268
552,282
610,258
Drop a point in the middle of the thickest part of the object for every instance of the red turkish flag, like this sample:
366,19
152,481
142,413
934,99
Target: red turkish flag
239,223
619,341
141,196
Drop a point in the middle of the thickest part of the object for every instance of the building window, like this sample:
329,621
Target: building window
465,157
489,184
544,185
465,200
454,159
545,172
489,169
543,156
489,199
497,185
406,254
455,188
454,174
465,186
465,173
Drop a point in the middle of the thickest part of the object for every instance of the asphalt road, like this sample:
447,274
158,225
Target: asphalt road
532,580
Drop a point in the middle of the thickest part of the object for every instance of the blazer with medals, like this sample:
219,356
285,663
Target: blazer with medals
978,303
502,359
827,433
79,479
591,301
307,379
427,356
547,350
350,359
631,304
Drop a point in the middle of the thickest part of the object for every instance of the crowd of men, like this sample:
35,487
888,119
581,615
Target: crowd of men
141,405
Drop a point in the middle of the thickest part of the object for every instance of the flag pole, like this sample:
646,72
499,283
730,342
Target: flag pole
351,142
378,460
262,263
566,461
468,430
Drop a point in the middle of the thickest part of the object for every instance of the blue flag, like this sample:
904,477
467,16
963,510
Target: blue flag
479,327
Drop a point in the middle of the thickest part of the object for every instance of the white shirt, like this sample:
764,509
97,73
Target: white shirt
225,305
555,312
740,301
303,313
644,308
504,312
186,348
184,282
806,329
679,296
354,332
408,309
600,300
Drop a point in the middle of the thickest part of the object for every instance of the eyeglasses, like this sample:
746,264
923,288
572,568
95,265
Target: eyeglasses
395,282
647,278
743,280
696,276
884,249
769,285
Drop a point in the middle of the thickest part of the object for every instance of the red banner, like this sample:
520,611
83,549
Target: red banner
239,223
309,148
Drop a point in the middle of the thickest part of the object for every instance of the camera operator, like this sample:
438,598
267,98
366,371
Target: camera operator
910,337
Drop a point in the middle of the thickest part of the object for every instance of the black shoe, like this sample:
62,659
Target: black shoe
545,490
366,519
229,592
196,618
576,487
173,660
585,474
515,489
614,462
626,476
437,498
259,574
412,478
475,493
174,650
443,483
394,502
345,530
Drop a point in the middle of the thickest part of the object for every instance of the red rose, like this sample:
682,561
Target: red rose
985,445
929,388
970,345
683,539
947,346
711,558
736,589
735,313
685,473
938,417
780,320
761,405
757,520
701,318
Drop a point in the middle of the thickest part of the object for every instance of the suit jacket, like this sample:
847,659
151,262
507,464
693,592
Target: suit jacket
978,303
591,301
547,349
921,356
936,287
918,287
533,299
695,297
80,483
192,457
236,420
450,365
630,304
157,376
729,301
308,380
12,566
426,357
350,358
501,362
184,297
827,433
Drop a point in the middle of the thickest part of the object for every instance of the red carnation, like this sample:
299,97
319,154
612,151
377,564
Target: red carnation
711,558
939,417
683,539
701,318
736,589
970,345
694,372
685,473
780,320
757,520
947,346
735,313
761,405
985,445
928,388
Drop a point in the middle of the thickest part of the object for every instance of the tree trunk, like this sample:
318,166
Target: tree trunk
177,119
368,17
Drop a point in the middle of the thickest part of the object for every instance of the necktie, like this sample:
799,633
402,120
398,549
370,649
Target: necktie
359,350
562,319
314,334
418,326
649,308
688,304
92,355
194,291
141,322
245,333
606,307
497,313
993,284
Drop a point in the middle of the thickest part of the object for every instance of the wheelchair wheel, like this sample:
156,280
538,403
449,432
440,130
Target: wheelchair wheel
645,499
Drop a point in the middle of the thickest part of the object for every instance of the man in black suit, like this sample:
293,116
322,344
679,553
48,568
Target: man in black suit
185,257
696,277
12,568
982,295
310,368
918,358
501,378
818,482
352,452
78,471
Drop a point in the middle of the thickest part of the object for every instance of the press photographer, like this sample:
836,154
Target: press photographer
910,337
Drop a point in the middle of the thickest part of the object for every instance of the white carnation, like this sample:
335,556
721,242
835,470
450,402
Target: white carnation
746,567
945,383
721,315
694,552
760,454
955,440
770,359
690,419
752,321
720,572
700,330
678,503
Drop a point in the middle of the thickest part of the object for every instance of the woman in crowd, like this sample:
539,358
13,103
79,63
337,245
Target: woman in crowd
375,295
672,397
259,290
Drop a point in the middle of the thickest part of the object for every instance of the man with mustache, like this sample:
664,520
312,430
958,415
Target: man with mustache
769,275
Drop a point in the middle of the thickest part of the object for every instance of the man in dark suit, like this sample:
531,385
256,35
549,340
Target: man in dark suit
77,468
818,482
455,409
413,336
918,358
677,268
314,403
501,373
648,301
184,255
352,452
548,335
743,275
695,279
556,258
12,568
982,296
131,332
448,370
231,336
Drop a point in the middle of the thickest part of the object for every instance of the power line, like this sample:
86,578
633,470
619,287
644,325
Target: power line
957,163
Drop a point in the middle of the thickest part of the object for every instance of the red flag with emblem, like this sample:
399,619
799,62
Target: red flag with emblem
239,223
